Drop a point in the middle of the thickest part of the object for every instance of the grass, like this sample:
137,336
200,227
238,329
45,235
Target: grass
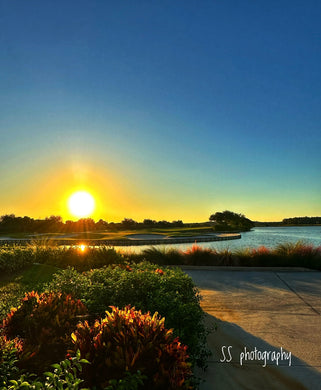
36,268
116,234
284,255
14,286
29,268
13,259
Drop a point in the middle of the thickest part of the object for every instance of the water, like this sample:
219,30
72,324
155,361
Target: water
269,237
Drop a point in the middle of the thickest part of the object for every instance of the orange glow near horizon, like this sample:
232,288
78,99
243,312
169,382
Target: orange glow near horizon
81,204
82,247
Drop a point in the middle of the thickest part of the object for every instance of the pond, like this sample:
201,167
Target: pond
259,236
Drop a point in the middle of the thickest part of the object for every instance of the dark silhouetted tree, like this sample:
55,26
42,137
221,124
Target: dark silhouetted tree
228,220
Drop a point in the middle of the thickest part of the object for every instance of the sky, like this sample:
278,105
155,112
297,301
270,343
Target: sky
161,109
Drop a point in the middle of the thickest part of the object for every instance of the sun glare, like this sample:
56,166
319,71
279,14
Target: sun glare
81,204
82,247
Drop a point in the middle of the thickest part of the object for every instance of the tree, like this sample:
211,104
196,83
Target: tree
149,222
101,225
228,220
128,223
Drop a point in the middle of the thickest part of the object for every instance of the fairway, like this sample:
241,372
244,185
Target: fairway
112,234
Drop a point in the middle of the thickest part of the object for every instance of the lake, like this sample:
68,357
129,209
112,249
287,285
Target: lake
259,236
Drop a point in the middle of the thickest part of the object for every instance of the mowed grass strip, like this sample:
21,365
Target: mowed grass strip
115,234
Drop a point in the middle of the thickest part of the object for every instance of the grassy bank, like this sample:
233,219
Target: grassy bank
13,259
114,234
27,268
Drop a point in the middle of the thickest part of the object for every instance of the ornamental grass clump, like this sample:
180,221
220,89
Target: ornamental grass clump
299,254
43,323
128,341
196,255
162,256
260,257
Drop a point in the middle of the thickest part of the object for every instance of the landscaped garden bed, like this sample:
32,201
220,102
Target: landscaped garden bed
137,325
111,320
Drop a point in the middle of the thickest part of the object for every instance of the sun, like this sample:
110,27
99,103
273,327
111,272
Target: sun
81,204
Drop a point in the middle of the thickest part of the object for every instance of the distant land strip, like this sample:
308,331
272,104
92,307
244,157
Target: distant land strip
131,242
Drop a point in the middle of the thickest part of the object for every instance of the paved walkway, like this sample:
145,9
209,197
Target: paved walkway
264,310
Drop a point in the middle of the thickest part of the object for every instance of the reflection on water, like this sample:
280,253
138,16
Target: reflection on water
260,236
269,237
82,247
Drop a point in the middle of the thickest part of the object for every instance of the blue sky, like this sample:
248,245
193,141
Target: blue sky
162,109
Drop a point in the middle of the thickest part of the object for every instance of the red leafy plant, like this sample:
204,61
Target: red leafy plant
159,271
44,323
127,341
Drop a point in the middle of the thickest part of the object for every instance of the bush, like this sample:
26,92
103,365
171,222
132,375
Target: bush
168,291
296,254
162,256
8,359
64,375
44,323
299,254
81,260
127,340
13,259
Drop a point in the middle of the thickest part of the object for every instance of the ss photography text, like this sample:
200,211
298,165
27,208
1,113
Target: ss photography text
255,354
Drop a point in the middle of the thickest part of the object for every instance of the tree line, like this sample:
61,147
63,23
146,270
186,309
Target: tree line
302,221
9,223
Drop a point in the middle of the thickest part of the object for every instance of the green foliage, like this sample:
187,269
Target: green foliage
131,381
8,360
43,322
196,255
296,254
13,287
162,256
10,295
64,375
13,259
227,220
168,291
127,340
16,258
302,221
299,253
82,260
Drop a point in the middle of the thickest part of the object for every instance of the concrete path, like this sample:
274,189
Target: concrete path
262,311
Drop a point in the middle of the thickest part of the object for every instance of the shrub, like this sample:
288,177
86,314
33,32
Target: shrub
44,323
130,381
82,260
8,359
13,259
196,255
260,257
169,291
299,254
163,256
65,375
127,340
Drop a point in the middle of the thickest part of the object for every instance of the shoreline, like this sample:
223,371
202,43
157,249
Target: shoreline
129,242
